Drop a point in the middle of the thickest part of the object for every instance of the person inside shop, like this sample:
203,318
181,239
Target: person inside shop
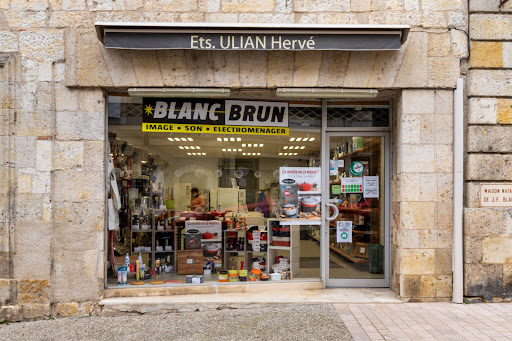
197,200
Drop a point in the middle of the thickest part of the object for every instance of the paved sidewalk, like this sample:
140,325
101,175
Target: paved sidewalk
428,321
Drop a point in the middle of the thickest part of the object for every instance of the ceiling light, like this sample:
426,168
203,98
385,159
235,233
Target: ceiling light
259,154
326,93
231,138
261,144
285,147
226,139
297,147
243,145
280,153
143,161
190,139
292,138
229,150
249,145
223,150
194,154
298,139
204,153
238,139
302,147
187,147
219,139
179,92
311,139
253,153
189,153
244,153
180,147
295,153
239,150
197,147
184,139
192,147
170,139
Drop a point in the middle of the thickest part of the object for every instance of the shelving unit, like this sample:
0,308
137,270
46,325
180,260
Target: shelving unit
228,254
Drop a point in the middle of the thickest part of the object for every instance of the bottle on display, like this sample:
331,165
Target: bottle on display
127,262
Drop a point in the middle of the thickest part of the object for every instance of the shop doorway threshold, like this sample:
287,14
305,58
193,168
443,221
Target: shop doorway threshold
244,297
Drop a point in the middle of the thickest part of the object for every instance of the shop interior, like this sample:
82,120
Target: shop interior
208,208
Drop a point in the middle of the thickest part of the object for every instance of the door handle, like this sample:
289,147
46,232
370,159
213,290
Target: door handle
336,212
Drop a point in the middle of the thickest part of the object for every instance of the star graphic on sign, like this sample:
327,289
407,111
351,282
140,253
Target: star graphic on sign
148,109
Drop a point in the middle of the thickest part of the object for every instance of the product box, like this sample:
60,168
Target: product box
190,262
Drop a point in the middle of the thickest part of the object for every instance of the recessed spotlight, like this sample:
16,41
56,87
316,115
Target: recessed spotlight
302,147
295,153
170,139
231,138
197,147
187,147
239,150
183,139
229,150
244,153
190,139
238,139
226,139
192,147
249,145
219,139
181,147
297,147
285,154
311,139
204,153
189,153
143,161
253,153
298,139
292,138
223,149
285,147
244,145
259,154
261,144
280,153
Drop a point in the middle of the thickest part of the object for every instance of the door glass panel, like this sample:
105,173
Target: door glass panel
356,187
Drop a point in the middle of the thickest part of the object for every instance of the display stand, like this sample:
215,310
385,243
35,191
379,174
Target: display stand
235,252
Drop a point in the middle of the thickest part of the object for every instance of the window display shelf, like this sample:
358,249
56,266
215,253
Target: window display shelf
280,247
341,252
300,221
309,192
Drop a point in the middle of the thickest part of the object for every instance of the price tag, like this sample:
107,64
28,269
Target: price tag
190,261
196,280
256,247
283,263
256,236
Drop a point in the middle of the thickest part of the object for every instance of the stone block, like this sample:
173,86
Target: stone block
333,68
483,280
80,125
386,68
24,151
79,186
44,155
321,6
265,18
221,17
68,155
444,188
418,239
417,158
248,6
88,286
209,5
86,216
442,5
200,68
483,222
43,45
24,183
253,69
504,111
472,195
439,44
417,286
307,68
458,20
36,310
10,313
443,71
417,215
507,279
280,68
226,66
41,182
489,167
32,5
8,288
490,27
497,249
45,72
472,250
29,206
33,291
444,129
360,5
338,18
17,19
34,122
66,99
94,160
489,6
144,65
433,19
77,236
459,41
443,102
359,69
486,54
418,102
444,286
173,66
73,5
67,309
444,158
45,96
443,260
483,110
90,69
91,100
489,139
120,66
8,41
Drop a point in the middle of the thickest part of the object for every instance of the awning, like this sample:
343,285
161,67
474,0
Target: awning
220,36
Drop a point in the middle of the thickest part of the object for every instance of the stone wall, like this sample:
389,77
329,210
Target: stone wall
488,231
52,149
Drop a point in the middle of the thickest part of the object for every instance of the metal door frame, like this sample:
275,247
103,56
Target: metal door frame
328,132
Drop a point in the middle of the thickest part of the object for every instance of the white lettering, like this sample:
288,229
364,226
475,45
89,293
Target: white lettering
222,42
193,42
160,109
261,43
274,42
213,115
172,111
311,43
248,42
186,111
201,111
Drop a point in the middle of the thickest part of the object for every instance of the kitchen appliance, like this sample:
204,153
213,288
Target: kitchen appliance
308,204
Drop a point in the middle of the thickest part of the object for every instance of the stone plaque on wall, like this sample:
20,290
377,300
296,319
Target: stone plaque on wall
496,195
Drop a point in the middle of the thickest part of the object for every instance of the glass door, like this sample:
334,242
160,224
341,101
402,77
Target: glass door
356,223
